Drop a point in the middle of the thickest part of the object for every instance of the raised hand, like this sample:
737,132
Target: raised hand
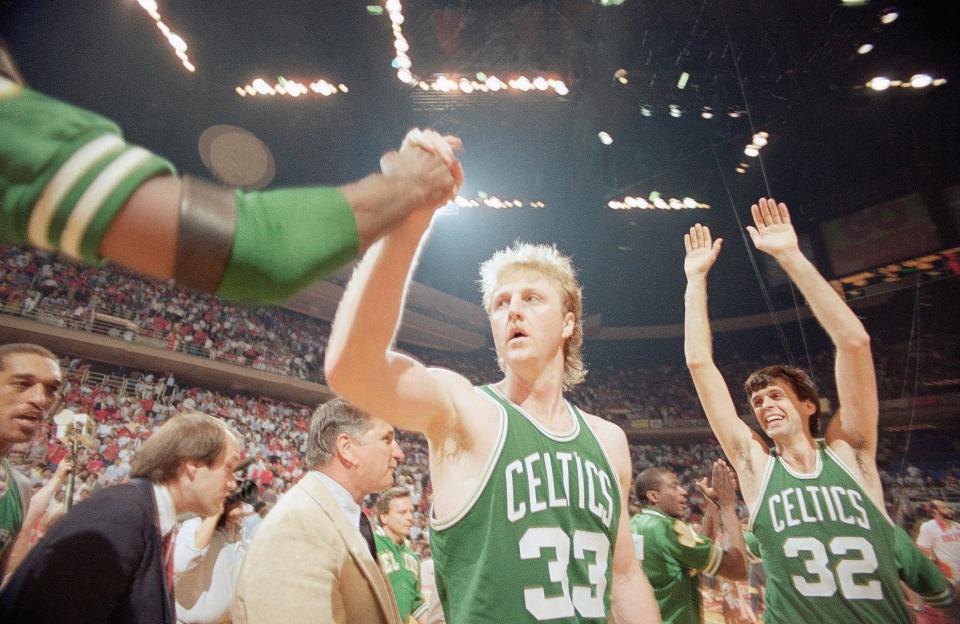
724,481
427,164
701,252
772,231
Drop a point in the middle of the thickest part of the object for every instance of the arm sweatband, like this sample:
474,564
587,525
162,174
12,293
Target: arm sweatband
286,239
64,173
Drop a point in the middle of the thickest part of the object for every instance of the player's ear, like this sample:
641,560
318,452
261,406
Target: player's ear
569,324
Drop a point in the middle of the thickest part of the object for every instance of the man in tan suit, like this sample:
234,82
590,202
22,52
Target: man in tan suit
309,561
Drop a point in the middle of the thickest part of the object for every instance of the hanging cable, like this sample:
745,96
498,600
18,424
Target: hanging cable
914,338
753,261
766,184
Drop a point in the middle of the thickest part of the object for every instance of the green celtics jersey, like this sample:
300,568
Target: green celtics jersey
403,569
672,554
920,573
828,552
753,546
11,507
535,544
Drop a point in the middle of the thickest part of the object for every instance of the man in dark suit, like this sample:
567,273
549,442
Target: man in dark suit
110,559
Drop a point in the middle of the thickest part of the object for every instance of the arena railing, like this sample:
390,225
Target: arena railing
114,324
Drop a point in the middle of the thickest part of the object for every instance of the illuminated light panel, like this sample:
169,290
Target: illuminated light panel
492,201
656,202
605,138
707,112
453,83
682,82
290,88
175,41
758,141
865,48
917,81
889,17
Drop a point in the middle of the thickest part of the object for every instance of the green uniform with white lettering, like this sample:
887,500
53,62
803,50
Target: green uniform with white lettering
11,508
672,555
828,552
403,569
536,543
920,573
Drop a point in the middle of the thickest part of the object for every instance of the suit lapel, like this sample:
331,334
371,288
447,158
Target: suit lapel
146,491
313,486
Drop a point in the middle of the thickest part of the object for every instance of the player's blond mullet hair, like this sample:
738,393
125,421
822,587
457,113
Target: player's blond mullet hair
548,261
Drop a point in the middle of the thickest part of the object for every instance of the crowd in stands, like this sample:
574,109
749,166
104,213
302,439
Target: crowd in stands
122,304
129,307
126,409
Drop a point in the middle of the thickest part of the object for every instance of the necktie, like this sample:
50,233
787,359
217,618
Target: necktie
367,532
168,545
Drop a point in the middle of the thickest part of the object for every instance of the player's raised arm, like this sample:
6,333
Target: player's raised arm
360,364
734,435
774,234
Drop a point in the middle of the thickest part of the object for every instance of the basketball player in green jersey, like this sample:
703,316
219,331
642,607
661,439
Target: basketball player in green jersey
672,553
816,506
529,520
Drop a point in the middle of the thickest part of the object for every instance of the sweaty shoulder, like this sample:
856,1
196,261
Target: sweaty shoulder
613,440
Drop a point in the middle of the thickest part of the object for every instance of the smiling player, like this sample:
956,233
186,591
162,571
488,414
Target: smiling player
816,506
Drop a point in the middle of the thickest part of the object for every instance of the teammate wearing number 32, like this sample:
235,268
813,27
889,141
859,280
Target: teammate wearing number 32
816,506
529,519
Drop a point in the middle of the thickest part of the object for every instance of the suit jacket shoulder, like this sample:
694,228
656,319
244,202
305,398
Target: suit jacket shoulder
328,572
102,559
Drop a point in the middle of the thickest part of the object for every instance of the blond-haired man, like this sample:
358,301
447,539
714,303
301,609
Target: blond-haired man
529,520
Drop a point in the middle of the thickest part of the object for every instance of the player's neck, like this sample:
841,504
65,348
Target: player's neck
541,397
799,452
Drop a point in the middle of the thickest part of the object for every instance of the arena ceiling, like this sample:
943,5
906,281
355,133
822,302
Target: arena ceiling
790,68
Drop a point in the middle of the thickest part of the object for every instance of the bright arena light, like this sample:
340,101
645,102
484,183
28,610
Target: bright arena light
880,83
865,48
174,40
454,83
290,88
752,151
889,17
605,138
656,202
919,81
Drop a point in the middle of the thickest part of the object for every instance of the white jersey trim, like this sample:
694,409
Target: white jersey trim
445,523
89,203
714,561
557,437
802,475
755,508
881,510
610,465
38,227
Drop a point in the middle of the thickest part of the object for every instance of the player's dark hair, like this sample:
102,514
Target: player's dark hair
649,479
